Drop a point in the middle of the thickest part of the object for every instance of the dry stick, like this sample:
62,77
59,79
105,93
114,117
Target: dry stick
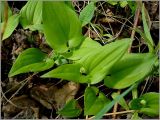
80,97
18,114
115,108
111,29
16,92
149,85
145,85
14,87
5,18
86,117
117,34
11,102
27,79
114,17
57,116
117,113
135,24
98,33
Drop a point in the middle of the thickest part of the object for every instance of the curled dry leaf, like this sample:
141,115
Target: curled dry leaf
50,96
66,93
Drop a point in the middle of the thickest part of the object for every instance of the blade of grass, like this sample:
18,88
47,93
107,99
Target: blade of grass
145,25
143,35
149,39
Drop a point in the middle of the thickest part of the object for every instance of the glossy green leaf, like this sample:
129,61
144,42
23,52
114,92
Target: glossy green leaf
107,107
87,13
31,60
71,109
93,103
147,104
146,30
87,47
61,25
91,69
130,69
98,63
31,15
12,23
71,72
122,102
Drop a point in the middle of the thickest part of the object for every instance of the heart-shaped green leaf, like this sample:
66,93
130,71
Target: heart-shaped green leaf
130,69
71,109
93,103
87,13
12,23
31,60
61,26
147,104
31,15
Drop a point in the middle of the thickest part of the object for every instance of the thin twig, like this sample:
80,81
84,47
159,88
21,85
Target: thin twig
9,101
117,35
21,82
27,79
135,23
115,108
86,117
150,83
20,113
117,113
57,116
98,33
80,97
145,86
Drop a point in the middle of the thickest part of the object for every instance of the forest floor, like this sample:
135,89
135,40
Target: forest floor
26,89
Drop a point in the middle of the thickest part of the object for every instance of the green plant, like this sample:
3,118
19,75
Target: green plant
63,31
87,13
146,104
31,15
9,24
132,4
121,3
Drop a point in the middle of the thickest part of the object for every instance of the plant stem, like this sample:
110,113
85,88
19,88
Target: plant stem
5,18
115,108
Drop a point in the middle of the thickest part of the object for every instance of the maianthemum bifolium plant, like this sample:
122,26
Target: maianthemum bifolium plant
90,62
